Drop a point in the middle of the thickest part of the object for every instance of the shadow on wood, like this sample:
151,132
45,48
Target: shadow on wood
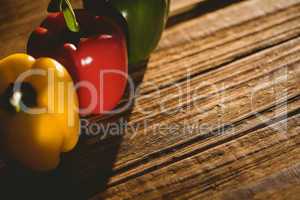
200,9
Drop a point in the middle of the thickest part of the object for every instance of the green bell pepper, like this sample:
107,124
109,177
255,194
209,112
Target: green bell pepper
145,21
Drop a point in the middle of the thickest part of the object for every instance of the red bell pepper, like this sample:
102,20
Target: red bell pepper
96,57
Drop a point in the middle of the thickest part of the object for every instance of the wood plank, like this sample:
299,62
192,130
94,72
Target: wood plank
205,24
228,166
169,66
235,86
284,184
209,139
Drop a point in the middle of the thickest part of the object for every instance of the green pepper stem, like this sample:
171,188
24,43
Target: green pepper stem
65,7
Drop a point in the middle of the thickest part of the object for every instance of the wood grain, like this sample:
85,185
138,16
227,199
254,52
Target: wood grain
206,24
225,167
151,101
238,103
217,115
205,102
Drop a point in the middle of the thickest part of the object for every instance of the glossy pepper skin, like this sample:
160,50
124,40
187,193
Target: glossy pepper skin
36,140
96,57
145,22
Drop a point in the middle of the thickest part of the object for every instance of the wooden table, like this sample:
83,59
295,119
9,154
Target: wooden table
216,115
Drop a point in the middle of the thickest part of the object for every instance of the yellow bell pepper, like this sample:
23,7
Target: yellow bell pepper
39,119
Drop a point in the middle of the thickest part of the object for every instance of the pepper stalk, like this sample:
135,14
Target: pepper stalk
65,7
